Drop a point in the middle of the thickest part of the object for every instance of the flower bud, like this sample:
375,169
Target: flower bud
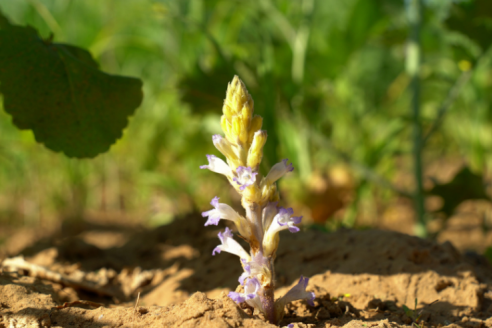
224,146
256,123
255,153
226,127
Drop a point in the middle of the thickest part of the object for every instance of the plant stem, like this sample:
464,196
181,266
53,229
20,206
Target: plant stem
253,214
268,300
267,294
414,12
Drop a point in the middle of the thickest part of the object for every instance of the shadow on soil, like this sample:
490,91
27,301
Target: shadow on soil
186,244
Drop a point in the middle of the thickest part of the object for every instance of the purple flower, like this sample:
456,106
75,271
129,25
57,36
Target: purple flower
250,294
229,245
298,292
245,177
213,215
221,211
247,272
257,265
217,165
237,297
279,170
284,220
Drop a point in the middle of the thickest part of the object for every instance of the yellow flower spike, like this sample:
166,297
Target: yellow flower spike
237,96
243,133
227,128
236,128
247,114
255,153
226,109
256,123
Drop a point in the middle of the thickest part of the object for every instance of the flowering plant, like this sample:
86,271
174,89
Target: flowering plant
242,147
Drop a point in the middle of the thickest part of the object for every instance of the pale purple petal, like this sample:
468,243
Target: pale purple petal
284,220
284,215
246,273
224,146
298,292
221,211
215,202
250,292
213,215
294,229
229,245
296,219
226,234
251,288
217,165
216,250
242,277
237,297
279,170
245,177
257,264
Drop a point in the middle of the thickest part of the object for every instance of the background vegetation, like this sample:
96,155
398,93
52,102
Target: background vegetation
328,77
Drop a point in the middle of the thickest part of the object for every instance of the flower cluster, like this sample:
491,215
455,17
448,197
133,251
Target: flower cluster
242,147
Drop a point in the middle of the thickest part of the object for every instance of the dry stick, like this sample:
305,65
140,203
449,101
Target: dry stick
79,302
135,308
37,271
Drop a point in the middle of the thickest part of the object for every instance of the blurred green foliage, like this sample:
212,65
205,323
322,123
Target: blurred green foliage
327,76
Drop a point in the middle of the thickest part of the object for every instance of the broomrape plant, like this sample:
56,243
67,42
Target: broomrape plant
242,147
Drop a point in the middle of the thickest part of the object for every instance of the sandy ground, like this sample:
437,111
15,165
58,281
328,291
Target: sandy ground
361,279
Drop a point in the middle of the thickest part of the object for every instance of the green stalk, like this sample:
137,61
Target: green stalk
414,52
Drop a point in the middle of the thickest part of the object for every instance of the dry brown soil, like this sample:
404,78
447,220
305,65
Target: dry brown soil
360,278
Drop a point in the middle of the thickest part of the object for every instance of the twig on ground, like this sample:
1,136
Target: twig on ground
79,302
37,271
135,308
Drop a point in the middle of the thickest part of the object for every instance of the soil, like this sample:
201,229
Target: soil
368,278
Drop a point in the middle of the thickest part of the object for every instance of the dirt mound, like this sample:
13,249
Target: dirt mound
361,279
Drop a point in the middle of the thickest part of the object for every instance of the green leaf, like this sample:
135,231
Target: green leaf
56,91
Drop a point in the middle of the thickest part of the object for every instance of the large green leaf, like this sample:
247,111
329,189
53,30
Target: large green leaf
57,91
